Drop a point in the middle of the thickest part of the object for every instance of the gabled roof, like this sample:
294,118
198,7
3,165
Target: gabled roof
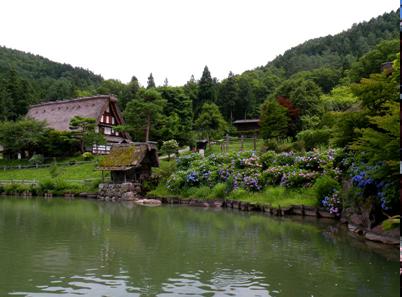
127,156
58,114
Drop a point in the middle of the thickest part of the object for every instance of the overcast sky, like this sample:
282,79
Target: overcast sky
173,38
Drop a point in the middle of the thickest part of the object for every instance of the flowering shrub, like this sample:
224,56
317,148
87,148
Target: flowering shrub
273,175
251,183
247,171
268,159
364,178
223,174
298,178
332,203
192,179
312,161
253,161
176,181
186,161
286,158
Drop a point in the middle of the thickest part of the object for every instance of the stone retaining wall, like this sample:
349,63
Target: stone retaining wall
119,192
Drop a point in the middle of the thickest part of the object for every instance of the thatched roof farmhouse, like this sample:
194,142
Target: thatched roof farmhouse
104,108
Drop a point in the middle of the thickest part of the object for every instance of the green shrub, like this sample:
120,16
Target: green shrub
165,170
11,188
87,156
271,144
268,159
239,194
58,187
314,137
17,188
202,192
169,147
325,186
54,170
37,159
219,191
47,186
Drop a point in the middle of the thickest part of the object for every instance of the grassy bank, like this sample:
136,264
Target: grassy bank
58,179
274,196
73,172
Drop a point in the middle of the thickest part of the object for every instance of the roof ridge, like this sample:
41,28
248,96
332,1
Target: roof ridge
111,96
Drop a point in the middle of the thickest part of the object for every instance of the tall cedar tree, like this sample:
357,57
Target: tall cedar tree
151,82
229,97
206,90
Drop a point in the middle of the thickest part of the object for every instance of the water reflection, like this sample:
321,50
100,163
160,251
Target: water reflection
68,248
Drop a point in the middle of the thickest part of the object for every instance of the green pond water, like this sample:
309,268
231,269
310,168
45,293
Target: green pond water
63,247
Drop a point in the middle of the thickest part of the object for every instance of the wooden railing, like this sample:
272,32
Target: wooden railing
36,182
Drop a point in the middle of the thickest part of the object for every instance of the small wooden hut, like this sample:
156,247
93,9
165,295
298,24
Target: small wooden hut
130,162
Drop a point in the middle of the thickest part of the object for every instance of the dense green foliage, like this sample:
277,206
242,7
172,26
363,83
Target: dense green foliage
210,122
341,50
274,120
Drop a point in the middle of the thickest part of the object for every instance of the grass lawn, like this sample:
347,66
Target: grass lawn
235,145
74,172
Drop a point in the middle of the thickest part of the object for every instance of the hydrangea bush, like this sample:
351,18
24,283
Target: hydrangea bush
365,179
246,170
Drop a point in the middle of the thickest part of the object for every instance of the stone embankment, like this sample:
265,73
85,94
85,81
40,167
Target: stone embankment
124,192
119,192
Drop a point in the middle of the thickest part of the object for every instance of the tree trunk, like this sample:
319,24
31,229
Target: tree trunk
148,128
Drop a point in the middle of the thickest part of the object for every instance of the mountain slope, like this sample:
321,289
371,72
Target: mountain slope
340,50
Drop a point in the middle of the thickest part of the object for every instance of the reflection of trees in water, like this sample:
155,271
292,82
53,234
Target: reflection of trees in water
187,240
154,246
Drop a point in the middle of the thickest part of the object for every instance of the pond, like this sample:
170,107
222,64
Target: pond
63,247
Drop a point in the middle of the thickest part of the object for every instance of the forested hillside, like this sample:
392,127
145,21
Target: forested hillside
341,50
26,78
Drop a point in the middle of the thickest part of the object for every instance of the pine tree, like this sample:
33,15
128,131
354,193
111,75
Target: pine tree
229,97
151,82
206,90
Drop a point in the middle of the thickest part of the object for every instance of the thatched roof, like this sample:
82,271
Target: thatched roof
58,114
127,156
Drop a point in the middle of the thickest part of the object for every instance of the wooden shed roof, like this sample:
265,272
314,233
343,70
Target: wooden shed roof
246,121
58,114
127,156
